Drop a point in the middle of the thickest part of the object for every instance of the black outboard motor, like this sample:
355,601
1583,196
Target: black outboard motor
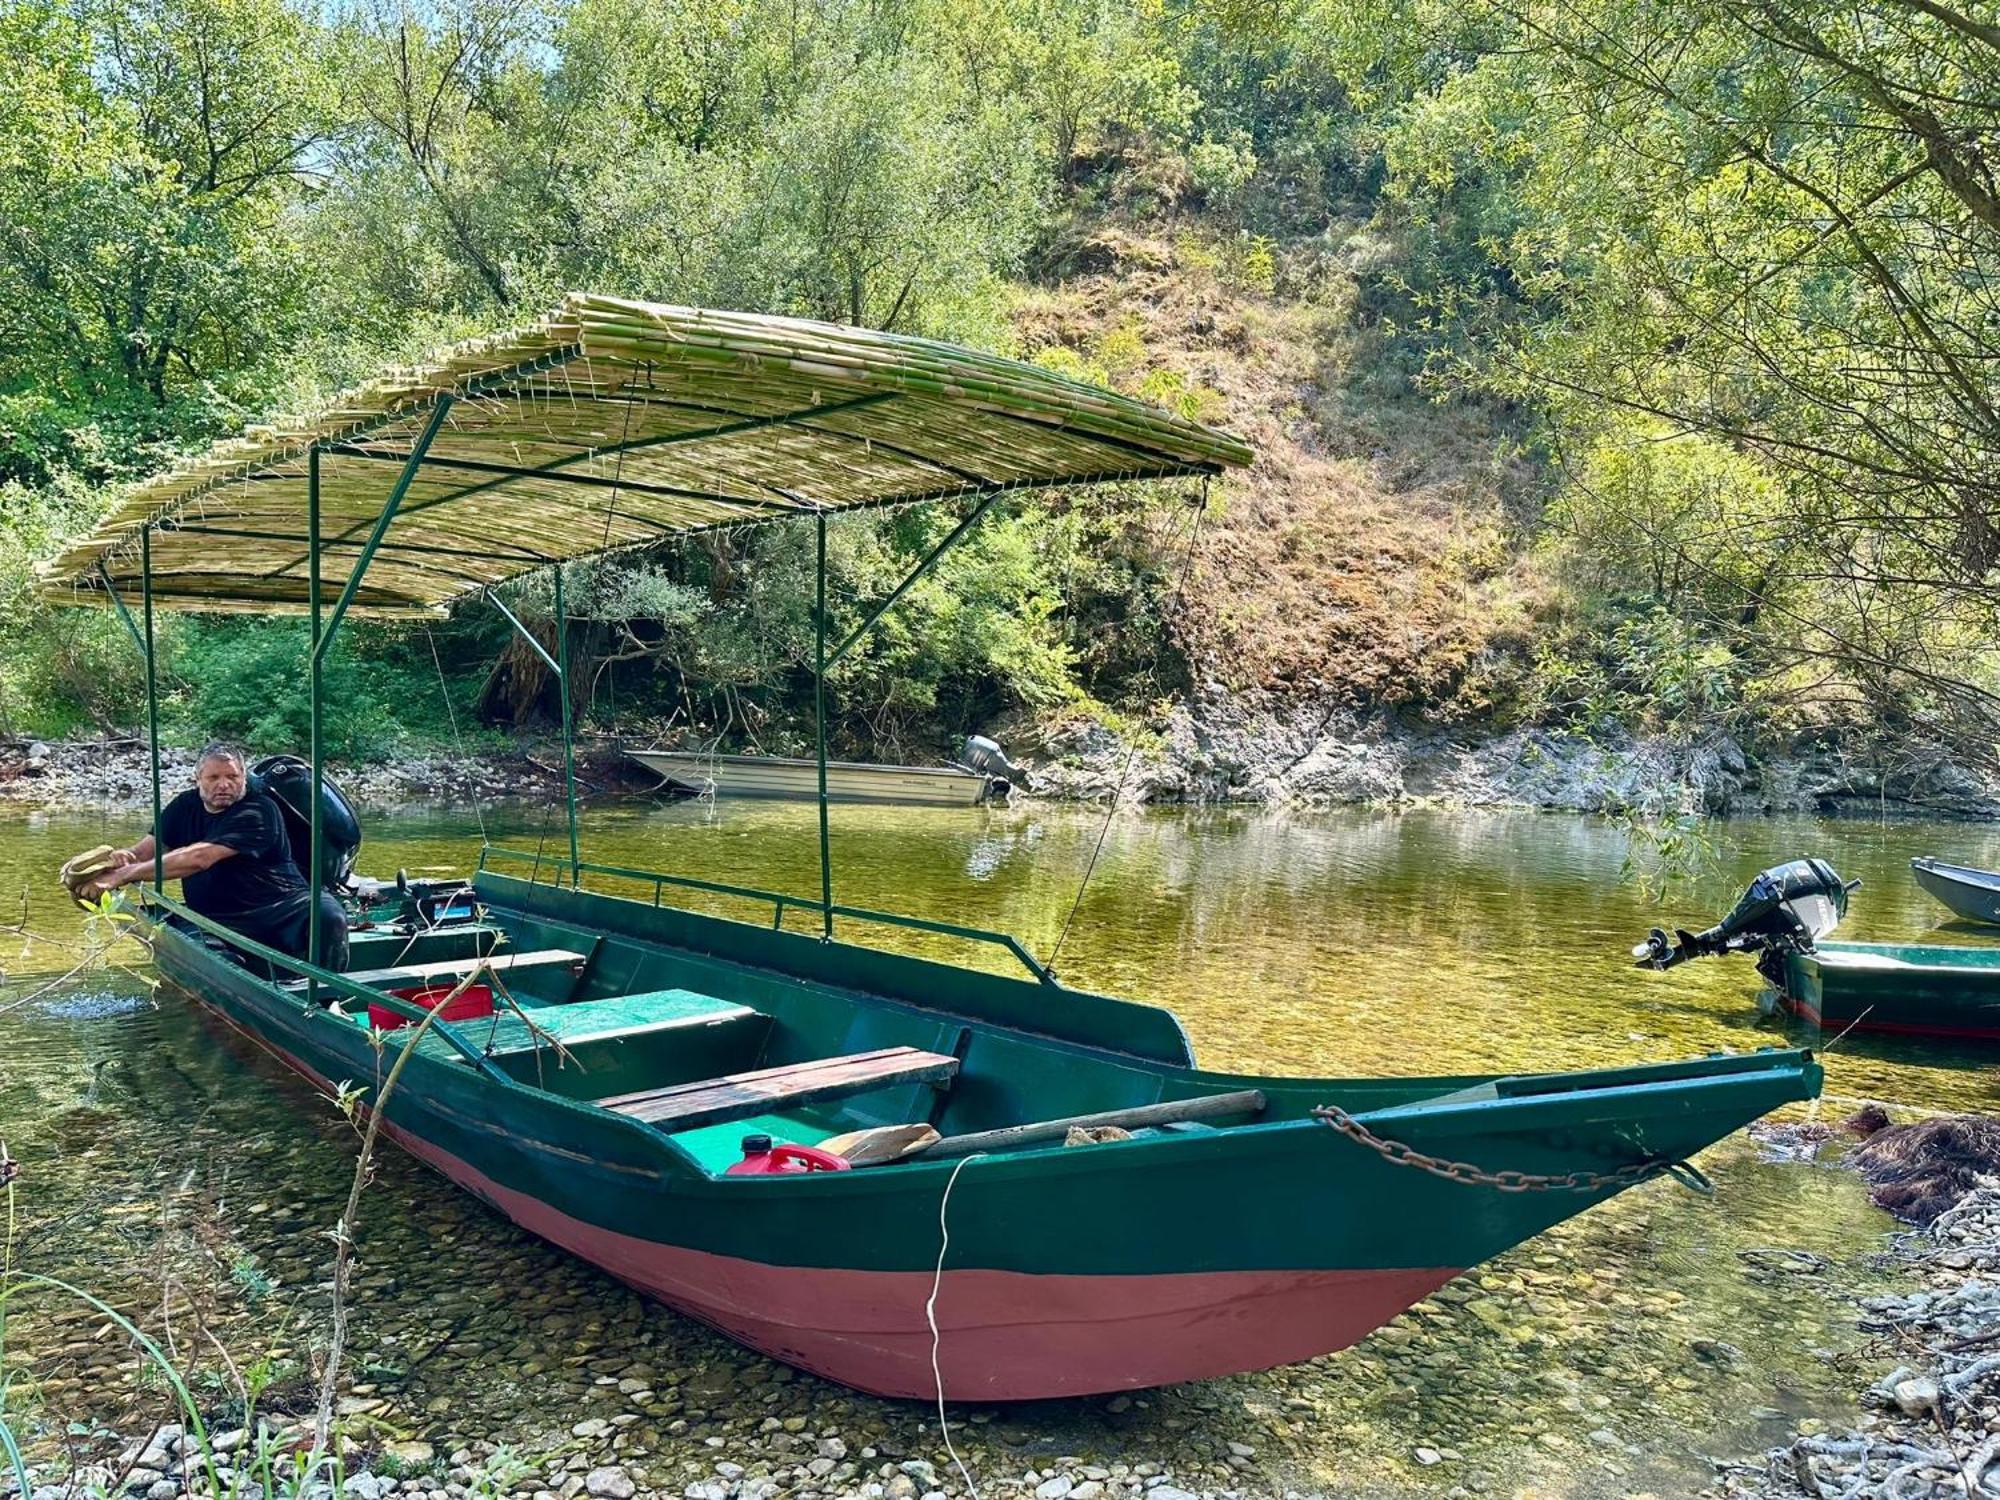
288,780
985,757
1787,908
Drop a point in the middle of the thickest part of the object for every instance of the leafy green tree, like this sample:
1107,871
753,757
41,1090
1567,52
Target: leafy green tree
1769,224
150,281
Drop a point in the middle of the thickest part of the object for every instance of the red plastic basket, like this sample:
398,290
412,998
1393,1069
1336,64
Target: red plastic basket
474,1004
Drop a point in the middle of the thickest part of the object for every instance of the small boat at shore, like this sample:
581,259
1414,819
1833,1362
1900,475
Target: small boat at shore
1969,893
695,774
1785,918
1074,1206
1906,989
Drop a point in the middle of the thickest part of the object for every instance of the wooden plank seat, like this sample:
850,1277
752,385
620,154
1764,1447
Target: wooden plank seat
451,970
709,1101
580,1021
364,942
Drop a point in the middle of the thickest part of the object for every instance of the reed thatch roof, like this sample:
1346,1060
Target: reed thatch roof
606,425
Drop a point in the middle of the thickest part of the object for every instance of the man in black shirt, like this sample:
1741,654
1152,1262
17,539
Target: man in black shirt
226,845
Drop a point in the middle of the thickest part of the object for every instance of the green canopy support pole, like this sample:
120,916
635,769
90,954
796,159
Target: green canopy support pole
131,625
916,574
568,729
143,639
819,732
152,696
526,634
823,660
314,729
323,634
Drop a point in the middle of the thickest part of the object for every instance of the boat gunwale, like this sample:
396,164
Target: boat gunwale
781,901
1829,955
800,763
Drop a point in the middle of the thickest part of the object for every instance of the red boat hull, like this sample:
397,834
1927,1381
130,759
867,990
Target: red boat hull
1001,1335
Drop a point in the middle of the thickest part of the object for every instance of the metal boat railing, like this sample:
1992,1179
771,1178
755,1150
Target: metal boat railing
780,902
327,979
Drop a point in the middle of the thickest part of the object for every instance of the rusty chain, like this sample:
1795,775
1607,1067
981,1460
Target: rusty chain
1509,1180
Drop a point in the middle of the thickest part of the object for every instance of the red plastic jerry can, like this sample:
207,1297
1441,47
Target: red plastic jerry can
762,1159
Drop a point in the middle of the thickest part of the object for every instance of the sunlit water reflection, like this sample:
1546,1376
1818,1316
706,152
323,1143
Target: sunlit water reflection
192,1183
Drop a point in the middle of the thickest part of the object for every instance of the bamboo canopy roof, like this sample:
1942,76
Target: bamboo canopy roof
611,424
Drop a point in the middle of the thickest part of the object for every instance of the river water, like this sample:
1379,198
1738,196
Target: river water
192,1184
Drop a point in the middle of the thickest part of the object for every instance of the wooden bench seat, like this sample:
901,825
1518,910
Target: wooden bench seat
365,943
709,1101
450,970
580,1021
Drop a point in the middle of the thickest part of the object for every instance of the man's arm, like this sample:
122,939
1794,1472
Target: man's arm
189,859
143,850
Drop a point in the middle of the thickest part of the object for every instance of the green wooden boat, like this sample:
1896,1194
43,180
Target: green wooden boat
1191,1250
1914,990
1241,1222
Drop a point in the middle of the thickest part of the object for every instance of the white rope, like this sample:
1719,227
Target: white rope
930,1316
1168,610
457,739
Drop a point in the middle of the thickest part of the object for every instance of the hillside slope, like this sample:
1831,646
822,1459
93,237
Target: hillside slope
1363,612
1368,558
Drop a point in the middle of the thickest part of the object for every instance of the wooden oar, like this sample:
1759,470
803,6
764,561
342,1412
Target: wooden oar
870,1148
1206,1107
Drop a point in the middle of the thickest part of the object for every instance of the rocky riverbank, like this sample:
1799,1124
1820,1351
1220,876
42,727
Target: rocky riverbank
1225,749
789,1457
118,774
1933,1427
1219,751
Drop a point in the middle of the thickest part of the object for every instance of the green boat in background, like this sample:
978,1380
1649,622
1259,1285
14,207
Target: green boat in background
1911,989
1907,989
1074,1205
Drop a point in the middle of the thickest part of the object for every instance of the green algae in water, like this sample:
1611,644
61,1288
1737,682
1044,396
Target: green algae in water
1606,1357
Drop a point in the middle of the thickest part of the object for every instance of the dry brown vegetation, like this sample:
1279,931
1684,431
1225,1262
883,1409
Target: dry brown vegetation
1369,554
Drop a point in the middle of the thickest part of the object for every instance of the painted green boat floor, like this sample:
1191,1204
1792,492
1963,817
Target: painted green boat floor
588,1020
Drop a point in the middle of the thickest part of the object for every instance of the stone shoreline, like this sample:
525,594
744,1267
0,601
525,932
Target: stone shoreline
81,774
1224,750
1935,1427
1218,752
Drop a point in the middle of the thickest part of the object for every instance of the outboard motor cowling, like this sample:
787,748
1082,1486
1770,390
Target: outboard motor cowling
1786,910
984,756
288,780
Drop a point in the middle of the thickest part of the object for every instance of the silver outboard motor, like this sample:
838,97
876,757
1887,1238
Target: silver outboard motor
1786,910
986,758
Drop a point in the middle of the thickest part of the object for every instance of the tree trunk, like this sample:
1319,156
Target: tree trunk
519,681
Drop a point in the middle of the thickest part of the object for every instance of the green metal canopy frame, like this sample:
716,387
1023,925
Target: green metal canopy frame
609,424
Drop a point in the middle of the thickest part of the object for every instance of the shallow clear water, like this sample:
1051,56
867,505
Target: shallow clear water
192,1183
